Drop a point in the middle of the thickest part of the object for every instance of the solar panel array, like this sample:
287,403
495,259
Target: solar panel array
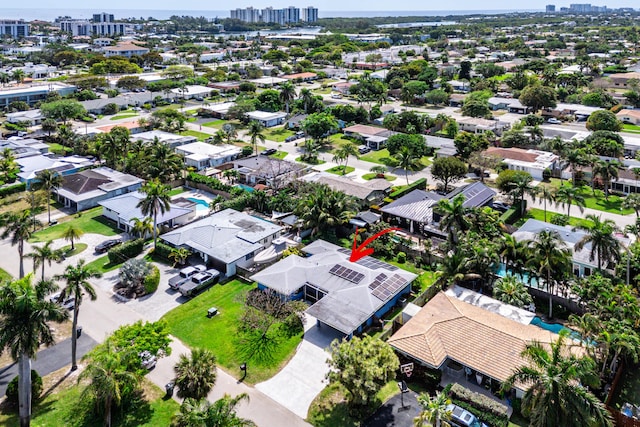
377,281
344,251
346,273
375,264
388,288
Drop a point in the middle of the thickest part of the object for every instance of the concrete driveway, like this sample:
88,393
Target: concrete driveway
298,383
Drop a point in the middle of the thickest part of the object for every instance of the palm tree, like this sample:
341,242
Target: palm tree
632,201
287,94
142,227
220,413
108,378
24,326
165,163
600,235
307,98
550,259
230,131
18,75
71,234
219,136
558,395
434,411
407,160
16,225
195,374
545,194
49,180
77,279
179,255
157,201
520,187
42,255
323,209
454,217
346,150
510,290
566,195
255,134
606,170
35,199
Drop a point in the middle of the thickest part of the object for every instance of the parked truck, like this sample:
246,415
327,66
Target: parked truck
198,282
184,275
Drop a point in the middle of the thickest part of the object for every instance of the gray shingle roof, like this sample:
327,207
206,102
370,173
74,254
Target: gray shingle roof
416,206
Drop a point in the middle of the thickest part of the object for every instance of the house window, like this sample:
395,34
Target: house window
248,257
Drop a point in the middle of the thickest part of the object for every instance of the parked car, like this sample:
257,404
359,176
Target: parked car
106,245
501,207
290,138
554,121
199,98
148,360
363,149
184,275
463,418
269,152
68,303
199,281
336,96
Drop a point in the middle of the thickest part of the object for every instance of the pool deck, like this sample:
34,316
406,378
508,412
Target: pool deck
493,305
198,194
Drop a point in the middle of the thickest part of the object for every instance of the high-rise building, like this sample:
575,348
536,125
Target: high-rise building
15,28
550,8
310,14
291,15
102,24
103,17
580,7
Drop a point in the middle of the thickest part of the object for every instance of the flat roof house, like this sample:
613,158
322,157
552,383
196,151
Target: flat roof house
83,190
124,209
532,161
201,155
171,139
373,137
34,117
267,119
346,296
226,239
33,94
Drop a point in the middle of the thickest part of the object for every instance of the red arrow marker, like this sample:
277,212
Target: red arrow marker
362,250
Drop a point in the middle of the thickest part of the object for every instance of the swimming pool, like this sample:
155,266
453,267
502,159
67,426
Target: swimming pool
502,271
246,188
201,205
555,328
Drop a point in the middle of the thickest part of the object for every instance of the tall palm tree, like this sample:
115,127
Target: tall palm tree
49,180
18,75
346,150
307,98
323,209
42,255
256,134
558,395
77,279
600,235
520,187
510,290
454,217
142,227
16,225
545,194
287,94
632,201
165,164
407,160
24,326
220,413
514,254
566,195
156,202
550,259
108,379
434,411
230,131
607,170
71,234
195,374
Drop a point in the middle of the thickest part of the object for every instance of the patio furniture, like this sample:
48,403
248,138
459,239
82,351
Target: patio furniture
212,312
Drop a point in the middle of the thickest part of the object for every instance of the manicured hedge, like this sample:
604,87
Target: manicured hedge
162,250
12,189
125,251
420,184
477,405
152,281
512,215
36,388
213,183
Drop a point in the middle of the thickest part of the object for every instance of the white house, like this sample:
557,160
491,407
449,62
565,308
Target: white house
201,155
532,161
267,119
629,116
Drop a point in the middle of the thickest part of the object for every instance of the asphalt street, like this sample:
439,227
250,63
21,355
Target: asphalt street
49,359
393,413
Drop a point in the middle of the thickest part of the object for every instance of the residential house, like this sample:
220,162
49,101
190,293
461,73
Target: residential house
482,342
32,117
24,147
34,93
443,147
626,116
295,122
124,210
226,239
621,80
32,163
533,161
220,111
171,139
342,87
83,190
580,112
456,100
225,87
479,125
268,81
126,49
274,173
373,137
345,296
201,155
301,77
267,119
370,193
192,91
512,105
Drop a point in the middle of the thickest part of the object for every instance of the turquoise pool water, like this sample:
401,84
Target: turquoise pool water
502,271
555,328
201,205
246,188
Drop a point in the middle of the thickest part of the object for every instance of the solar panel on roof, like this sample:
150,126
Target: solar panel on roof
377,281
346,273
388,287
375,264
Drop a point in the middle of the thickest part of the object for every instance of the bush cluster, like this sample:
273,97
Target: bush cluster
152,280
126,251
487,411
162,250
12,388
420,184
214,184
12,189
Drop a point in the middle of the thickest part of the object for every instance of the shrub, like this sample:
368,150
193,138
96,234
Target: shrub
402,257
152,280
109,109
420,184
162,250
510,216
126,251
12,388
247,151
213,183
12,189
546,174
478,400
559,219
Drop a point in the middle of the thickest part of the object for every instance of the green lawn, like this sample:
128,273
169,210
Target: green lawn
338,139
200,135
66,408
102,265
370,176
595,199
340,170
627,127
189,323
322,91
90,221
279,155
382,157
56,148
318,162
123,116
176,191
539,215
215,124
79,248
278,134
329,408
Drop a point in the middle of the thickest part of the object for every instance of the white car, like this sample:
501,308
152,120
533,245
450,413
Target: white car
554,121
336,96
148,360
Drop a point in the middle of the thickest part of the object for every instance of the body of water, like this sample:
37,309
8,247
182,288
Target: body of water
201,205
246,188
51,14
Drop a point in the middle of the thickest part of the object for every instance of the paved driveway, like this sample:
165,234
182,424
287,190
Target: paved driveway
392,413
298,383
